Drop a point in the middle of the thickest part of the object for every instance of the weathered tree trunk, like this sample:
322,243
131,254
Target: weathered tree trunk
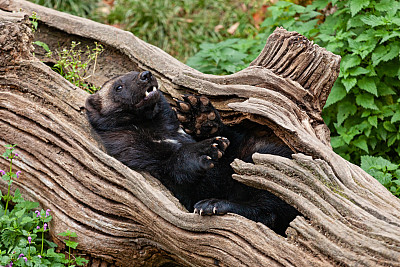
127,218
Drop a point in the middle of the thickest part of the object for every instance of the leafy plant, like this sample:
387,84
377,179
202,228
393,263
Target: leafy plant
293,18
73,64
225,57
34,21
71,244
363,108
366,34
234,54
386,172
22,231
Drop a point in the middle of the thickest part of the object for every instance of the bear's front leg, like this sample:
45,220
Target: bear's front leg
198,117
194,159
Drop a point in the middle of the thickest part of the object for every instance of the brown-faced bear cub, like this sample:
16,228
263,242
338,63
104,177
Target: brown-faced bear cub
139,128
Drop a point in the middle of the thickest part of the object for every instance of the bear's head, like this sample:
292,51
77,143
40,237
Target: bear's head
123,100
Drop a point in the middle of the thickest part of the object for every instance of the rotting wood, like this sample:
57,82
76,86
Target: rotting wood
128,218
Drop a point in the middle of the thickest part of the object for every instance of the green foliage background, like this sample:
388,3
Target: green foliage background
179,26
176,26
82,8
363,109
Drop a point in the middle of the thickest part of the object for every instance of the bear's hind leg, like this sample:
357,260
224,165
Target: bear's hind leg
264,207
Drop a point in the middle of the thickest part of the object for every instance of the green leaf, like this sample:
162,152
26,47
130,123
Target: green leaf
373,20
319,4
373,121
393,52
8,237
305,27
345,109
384,5
377,163
368,84
382,133
337,141
18,196
26,220
354,22
361,142
388,36
366,113
52,254
29,205
309,15
383,178
379,53
366,101
349,61
389,126
19,214
337,93
358,71
395,21
349,83
43,45
71,244
385,53
357,5
68,233
384,89
395,117
81,261
392,139
73,234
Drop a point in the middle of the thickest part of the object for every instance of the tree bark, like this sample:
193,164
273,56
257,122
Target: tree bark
127,218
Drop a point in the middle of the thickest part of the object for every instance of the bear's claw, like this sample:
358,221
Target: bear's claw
198,116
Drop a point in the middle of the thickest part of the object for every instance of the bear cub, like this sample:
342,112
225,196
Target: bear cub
188,149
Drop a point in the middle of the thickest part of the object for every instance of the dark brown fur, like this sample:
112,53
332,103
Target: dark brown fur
141,130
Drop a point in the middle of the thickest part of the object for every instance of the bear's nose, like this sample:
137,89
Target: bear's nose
146,75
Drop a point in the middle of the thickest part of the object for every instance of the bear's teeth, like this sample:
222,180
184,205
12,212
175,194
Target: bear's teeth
147,93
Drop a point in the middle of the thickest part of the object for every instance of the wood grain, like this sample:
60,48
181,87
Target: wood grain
126,218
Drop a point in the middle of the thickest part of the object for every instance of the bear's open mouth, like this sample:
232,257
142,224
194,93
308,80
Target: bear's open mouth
150,92
151,95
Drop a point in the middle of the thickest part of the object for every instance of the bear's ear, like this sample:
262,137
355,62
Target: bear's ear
93,107
93,103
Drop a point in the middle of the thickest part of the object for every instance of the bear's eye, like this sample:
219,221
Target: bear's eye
118,88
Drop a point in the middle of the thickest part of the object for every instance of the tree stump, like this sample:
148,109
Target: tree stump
128,218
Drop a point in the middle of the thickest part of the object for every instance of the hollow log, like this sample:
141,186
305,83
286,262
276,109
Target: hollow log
126,218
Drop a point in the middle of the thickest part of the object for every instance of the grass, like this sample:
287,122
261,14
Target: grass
82,8
180,26
176,26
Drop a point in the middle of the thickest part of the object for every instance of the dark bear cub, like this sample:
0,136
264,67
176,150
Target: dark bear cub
139,128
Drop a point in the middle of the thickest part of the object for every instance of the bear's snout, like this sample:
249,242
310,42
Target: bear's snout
146,76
